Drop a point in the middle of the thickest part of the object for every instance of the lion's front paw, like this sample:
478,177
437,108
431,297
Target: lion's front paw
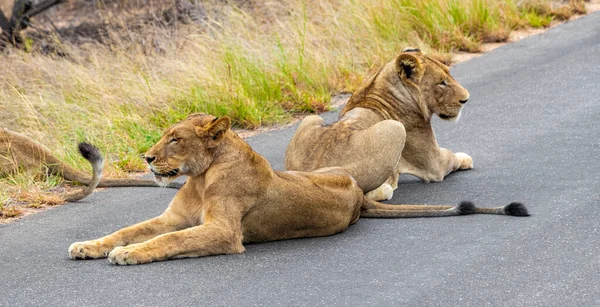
88,250
466,162
125,255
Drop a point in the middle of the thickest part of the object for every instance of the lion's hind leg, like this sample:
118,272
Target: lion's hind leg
375,164
386,190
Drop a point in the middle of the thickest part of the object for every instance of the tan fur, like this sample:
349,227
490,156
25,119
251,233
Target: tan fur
385,129
20,153
232,196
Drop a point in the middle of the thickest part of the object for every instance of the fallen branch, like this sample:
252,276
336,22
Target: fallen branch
19,20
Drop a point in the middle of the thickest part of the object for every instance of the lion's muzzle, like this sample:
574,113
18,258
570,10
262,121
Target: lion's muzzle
149,159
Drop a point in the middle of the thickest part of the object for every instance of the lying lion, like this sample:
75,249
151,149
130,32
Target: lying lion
385,129
19,152
232,196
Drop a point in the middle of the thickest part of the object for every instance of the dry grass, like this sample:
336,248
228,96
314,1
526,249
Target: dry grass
258,62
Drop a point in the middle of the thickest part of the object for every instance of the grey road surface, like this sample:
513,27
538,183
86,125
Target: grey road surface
532,128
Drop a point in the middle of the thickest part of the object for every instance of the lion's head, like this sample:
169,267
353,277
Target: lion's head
187,148
413,84
441,94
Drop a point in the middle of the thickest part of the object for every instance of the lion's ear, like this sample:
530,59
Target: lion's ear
216,130
410,68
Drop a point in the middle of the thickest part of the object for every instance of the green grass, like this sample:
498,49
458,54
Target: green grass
442,25
536,21
24,179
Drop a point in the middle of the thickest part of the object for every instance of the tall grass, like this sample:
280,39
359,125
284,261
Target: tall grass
256,65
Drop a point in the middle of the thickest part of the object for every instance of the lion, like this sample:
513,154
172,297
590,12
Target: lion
19,152
232,196
385,128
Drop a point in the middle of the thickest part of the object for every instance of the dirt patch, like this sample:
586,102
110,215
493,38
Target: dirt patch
593,6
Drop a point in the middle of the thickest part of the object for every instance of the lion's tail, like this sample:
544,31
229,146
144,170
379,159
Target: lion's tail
92,154
71,174
374,209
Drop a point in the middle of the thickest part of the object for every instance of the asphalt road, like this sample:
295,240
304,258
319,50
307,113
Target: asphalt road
532,129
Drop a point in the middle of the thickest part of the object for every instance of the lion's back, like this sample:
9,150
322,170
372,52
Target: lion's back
316,146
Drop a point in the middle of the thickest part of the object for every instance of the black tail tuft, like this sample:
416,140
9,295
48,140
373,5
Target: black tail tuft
516,209
466,207
90,152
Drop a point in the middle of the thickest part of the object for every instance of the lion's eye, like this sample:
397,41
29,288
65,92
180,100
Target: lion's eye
173,140
443,83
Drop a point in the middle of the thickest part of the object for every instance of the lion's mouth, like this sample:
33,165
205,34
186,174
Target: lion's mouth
445,116
171,173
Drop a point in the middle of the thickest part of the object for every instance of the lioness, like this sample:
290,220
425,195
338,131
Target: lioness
232,196
14,145
19,152
385,128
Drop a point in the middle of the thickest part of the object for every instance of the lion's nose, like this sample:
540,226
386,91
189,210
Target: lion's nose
464,101
149,159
